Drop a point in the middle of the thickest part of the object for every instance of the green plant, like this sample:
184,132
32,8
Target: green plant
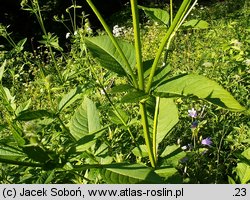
78,143
148,83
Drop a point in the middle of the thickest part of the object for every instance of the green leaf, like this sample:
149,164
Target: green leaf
129,174
9,99
20,45
196,24
46,177
105,52
24,106
172,155
88,140
28,115
167,118
230,180
134,97
51,40
85,120
147,67
156,14
201,87
2,69
143,149
170,174
243,172
161,75
121,88
70,98
246,154
115,118
11,153
36,153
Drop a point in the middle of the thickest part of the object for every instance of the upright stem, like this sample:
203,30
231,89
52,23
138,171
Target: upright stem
147,134
171,31
39,18
171,12
155,127
137,39
74,16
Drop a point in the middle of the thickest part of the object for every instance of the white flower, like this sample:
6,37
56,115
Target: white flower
67,35
118,31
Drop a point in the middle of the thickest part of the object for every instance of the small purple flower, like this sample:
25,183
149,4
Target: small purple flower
194,124
207,141
192,113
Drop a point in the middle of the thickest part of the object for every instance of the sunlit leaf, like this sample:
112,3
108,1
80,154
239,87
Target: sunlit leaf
142,152
70,98
246,153
106,53
159,15
196,24
11,153
85,120
172,155
129,174
243,172
22,107
116,118
170,174
167,118
202,87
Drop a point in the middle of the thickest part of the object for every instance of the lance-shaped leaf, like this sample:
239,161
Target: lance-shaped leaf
159,15
106,53
167,118
129,174
202,87
85,120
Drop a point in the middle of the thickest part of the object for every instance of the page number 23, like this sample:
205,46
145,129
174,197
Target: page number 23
240,192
